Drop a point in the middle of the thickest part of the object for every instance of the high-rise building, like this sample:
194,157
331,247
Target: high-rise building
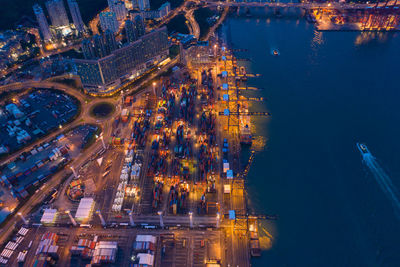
130,30
88,49
43,25
108,21
128,60
119,9
109,42
111,2
99,46
76,15
135,4
164,9
58,15
139,26
144,4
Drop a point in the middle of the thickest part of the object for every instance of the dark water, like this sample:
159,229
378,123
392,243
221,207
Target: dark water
326,91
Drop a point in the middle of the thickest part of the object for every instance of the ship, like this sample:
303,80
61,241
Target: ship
275,52
363,149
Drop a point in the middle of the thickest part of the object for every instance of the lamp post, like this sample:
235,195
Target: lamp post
161,219
154,88
103,222
71,218
23,218
131,218
74,172
191,219
102,140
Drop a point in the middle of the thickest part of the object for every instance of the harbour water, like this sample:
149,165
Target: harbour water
326,92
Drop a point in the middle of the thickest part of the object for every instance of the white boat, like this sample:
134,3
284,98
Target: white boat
363,149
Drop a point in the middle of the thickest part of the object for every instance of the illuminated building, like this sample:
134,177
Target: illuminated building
99,47
144,4
129,60
58,15
76,15
109,42
88,49
43,25
130,30
119,9
139,26
108,21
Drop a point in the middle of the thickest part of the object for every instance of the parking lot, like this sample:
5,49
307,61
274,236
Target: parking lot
33,115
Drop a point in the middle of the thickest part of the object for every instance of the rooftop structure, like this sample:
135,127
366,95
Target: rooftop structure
105,252
49,216
85,209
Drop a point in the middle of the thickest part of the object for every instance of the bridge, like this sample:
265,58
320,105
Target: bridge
305,5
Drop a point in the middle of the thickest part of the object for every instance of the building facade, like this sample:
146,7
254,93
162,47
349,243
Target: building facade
76,15
108,21
119,9
139,26
42,21
130,60
58,15
144,5
130,30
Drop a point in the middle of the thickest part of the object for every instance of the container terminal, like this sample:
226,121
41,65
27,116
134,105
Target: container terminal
164,185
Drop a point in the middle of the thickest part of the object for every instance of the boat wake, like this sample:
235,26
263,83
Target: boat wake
383,180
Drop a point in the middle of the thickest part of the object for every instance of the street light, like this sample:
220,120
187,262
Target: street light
161,219
74,172
22,217
154,88
191,219
71,218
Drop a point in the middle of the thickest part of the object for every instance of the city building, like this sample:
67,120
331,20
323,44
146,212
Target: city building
135,4
143,4
127,62
88,49
130,30
109,42
43,25
99,46
58,15
108,21
119,9
164,9
76,15
159,13
139,26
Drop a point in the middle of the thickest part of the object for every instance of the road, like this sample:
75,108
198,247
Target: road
194,26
